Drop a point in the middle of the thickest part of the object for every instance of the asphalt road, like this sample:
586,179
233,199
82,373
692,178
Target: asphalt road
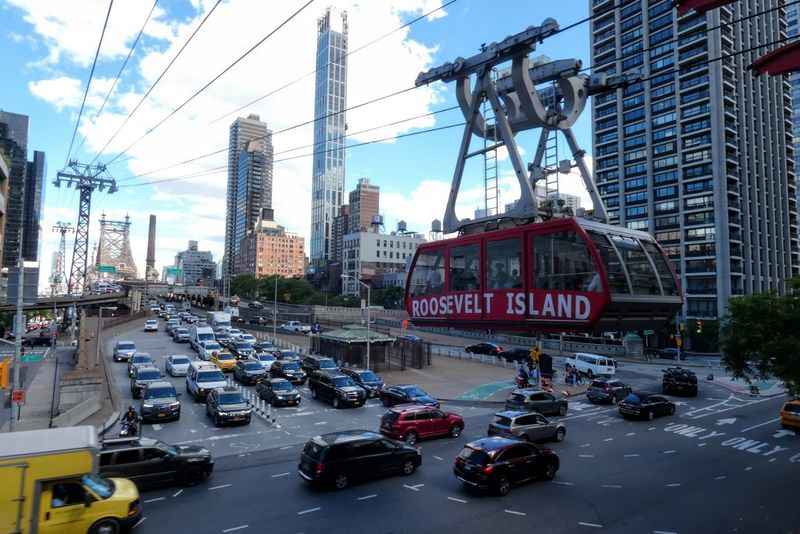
708,469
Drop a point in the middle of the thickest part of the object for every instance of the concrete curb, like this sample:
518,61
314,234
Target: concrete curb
747,393
110,422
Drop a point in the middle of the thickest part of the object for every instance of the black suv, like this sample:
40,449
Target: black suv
290,370
226,405
160,402
149,462
365,378
248,372
277,391
498,463
340,458
678,380
143,377
607,390
315,362
336,388
241,349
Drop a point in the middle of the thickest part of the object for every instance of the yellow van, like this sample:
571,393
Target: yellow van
51,486
790,415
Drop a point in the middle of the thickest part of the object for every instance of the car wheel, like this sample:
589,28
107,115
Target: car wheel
549,472
503,486
108,525
411,438
409,467
313,393
672,410
341,481
336,402
651,415
562,410
455,431
560,433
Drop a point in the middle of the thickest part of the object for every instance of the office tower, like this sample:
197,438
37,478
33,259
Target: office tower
330,99
252,193
698,152
193,266
341,227
364,205
15,159
793,31
242,132
34,201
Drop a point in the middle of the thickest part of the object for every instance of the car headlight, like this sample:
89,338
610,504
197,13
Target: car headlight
147,406
175,404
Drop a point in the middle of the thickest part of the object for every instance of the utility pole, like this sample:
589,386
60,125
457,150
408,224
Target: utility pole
275,311
19,327
85,178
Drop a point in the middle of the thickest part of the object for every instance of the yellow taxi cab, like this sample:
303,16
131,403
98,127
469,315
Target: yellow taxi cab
790,415
224,360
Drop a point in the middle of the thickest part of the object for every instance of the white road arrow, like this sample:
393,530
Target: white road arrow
728,421
782,433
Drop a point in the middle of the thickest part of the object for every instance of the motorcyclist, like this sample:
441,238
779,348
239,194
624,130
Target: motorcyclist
522,376
130,420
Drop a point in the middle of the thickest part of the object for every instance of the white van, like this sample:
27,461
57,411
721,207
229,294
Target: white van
592,365
199,334
202,377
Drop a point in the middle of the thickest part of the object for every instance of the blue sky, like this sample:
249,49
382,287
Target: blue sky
49,46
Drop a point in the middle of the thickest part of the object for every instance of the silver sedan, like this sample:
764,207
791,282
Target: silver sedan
177,365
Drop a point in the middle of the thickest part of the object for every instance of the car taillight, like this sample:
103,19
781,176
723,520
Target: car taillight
488,470
320,468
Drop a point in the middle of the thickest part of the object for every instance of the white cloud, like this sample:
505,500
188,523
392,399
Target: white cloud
61,92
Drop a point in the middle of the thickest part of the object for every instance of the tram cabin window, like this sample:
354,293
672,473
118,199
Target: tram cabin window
465,271
664,272
643,279
428,275
563,262
617,281
503,261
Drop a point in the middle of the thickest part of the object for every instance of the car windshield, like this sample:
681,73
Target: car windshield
213,346
343,381
369,376
182,331
244,346
266,357
517,397
792,408
230,398
474,456
502,420
327,364
142,359
313,450
415,392
253,366
126,346
159,393
102,487
211,376
291,366
180,360
148,374
283,386
224,356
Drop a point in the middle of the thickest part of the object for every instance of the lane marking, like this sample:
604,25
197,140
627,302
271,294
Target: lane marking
651,428
365,497
462,501
155,500
286,447
630,434
702,444
221,486
139,522
514,512
671,451
586,456
664,532
631,456
772,460
720,477
674,485
745,405
415,487
586,445
560,483
592,525
748,468
177,493
303,512
761,424
439,458
612,486
280,475
609,439
233,529
157,427
321,423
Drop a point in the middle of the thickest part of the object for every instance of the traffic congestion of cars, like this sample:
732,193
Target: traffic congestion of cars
512,452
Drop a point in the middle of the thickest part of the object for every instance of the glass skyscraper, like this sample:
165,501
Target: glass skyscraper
793,31
698,153
330,100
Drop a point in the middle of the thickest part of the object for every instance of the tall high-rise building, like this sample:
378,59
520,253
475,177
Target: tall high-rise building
252,193
330,100
194,266
364,205
793,31
34,201
242,132
698,153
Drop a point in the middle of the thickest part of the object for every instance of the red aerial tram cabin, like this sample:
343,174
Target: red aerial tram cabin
565,274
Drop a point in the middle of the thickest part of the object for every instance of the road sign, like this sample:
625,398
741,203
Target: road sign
18,396
649,332
106,269
32,357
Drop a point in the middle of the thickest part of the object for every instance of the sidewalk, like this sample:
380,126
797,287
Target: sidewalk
766,388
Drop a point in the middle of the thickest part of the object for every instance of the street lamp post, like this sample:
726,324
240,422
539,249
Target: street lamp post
275,311
99,331
369,292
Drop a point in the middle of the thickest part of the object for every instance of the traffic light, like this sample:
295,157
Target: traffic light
5,371
699,327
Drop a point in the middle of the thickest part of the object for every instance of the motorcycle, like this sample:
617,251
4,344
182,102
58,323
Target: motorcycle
128,429
522,383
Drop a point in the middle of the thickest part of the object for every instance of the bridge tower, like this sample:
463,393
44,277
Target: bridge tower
114,254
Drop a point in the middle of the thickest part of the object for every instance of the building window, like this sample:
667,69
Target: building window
635,184
642,226
666,192
638,197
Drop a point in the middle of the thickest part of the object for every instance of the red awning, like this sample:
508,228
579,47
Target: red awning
780,61
701,6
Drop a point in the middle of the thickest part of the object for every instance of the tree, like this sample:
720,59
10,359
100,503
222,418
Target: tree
244,285
760,337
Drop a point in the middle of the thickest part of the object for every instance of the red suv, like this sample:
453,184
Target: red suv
410,423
